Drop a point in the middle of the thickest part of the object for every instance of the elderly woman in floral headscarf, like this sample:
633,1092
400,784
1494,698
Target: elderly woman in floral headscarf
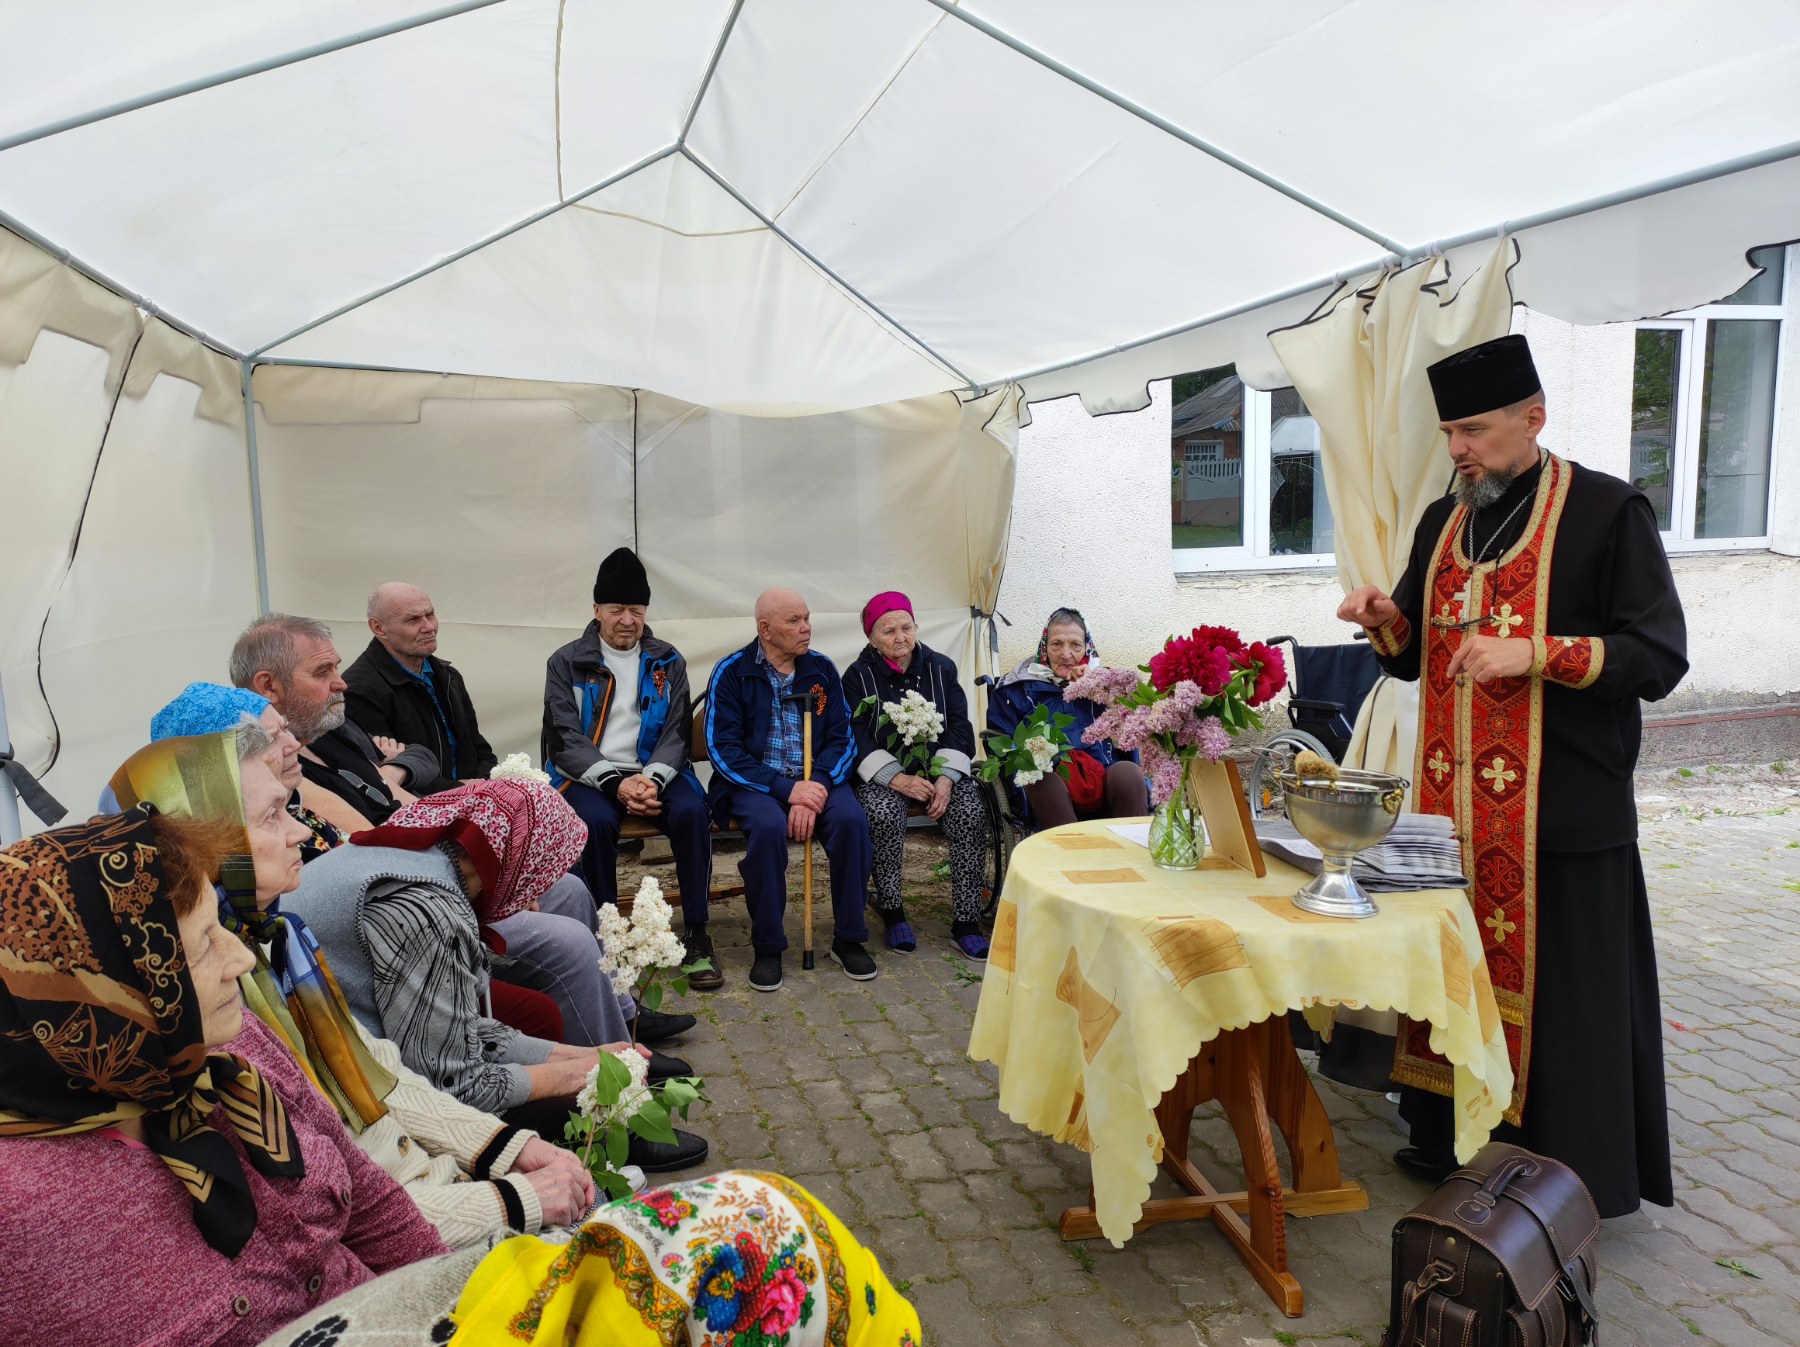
1101,780
936,773
169,1174
406,912
472,1176
167,1171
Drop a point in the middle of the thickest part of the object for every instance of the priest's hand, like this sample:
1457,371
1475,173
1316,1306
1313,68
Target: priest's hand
1367,607
1485,658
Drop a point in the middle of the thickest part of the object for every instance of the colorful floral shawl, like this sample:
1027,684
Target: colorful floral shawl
735,1260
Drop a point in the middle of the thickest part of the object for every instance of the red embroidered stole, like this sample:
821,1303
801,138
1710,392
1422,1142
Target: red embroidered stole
1479,755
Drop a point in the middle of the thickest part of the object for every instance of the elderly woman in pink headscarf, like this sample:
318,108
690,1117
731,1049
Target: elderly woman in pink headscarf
406,913
934,773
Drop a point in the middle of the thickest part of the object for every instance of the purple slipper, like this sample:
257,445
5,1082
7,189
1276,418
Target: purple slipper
973,946
900,938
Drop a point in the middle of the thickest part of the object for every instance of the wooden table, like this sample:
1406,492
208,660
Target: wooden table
1108,977
1256,1078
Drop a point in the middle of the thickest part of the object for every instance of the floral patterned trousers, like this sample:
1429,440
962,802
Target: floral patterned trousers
965,824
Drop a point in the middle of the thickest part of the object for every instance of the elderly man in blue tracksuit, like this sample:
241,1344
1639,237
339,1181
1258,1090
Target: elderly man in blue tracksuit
756,707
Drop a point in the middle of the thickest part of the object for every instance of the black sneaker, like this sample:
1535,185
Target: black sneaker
855,959
660,1157
655,1027
698,945
664,1067
765,973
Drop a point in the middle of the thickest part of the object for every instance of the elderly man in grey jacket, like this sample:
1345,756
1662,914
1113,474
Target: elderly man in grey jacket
616,723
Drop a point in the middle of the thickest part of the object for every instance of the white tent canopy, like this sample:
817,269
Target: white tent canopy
625,230
781,205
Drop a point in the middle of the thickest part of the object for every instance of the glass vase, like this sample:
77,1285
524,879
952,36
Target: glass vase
1176,839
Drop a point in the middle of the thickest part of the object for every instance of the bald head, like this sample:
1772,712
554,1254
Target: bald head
784,626
404,621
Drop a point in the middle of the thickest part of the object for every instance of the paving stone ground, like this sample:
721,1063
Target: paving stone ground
863,1093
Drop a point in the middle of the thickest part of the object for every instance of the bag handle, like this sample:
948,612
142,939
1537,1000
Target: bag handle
1435,1273
1479,1208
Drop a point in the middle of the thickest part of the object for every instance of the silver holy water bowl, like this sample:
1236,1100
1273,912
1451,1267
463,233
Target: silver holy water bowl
1341,817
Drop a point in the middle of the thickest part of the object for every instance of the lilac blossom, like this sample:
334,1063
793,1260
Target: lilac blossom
1102,685
1162,770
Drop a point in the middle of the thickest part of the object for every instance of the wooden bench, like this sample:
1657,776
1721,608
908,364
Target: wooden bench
633,828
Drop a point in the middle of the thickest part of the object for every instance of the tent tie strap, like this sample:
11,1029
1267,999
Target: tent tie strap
980,615
38,800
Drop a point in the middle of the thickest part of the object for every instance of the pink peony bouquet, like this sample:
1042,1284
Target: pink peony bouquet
1199,690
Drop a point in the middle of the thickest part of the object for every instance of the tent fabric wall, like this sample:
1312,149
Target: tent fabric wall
147,572
499,498
131,566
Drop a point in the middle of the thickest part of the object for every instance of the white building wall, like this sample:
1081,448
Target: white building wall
1090,530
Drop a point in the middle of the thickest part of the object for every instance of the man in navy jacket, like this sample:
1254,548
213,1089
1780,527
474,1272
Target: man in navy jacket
756,706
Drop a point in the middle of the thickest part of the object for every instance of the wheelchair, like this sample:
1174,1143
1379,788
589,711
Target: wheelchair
1009,823
1327,684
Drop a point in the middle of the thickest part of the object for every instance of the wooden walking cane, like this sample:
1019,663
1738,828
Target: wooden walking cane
806,720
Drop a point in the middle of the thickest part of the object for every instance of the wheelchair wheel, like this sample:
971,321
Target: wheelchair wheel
1004,833
1264,787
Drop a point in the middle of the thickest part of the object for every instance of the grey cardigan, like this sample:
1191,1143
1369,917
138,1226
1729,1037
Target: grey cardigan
406,949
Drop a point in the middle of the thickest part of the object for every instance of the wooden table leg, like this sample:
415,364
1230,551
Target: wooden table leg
1255,1076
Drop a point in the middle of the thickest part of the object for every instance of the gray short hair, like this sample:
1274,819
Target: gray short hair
268,644
252,739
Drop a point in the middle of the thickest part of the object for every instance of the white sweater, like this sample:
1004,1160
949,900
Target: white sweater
432,1144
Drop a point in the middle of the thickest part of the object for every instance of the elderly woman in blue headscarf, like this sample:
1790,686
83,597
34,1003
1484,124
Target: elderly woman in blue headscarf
474,1178
547,988
207,708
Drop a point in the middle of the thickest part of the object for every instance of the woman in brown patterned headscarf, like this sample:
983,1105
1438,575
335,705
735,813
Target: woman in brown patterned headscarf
140,1108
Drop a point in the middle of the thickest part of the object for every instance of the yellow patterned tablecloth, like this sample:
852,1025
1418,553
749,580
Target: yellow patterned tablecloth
1107,975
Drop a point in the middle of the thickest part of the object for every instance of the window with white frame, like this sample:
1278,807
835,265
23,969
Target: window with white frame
1704,392
1246,485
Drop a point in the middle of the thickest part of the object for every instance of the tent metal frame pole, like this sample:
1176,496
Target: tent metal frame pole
1163,124
247,369
302,362
826,271
1409,256
100,278
10,827
212,81
687,122
461,253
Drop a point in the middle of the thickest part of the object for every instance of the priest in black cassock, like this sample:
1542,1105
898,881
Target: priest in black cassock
1537,610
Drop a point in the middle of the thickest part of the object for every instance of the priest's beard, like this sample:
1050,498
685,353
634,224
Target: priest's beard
1477,493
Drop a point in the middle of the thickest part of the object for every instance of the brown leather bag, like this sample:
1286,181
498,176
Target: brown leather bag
1501,1255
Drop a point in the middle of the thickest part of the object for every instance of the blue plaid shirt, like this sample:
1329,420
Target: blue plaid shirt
424,676
784,751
